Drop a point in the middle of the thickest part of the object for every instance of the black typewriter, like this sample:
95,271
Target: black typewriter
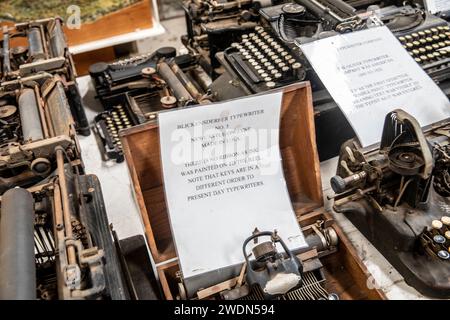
397,196
134,90
35,47
264,62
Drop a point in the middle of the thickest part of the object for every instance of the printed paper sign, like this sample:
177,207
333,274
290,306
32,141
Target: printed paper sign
223,178
368,73
435,6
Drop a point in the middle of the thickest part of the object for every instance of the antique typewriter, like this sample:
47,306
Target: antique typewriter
213,25
55,241
272,271
268,56
39,46
425,36
134,90
397,196
35,118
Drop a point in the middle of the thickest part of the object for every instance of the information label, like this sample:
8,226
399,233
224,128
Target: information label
223,178
368,73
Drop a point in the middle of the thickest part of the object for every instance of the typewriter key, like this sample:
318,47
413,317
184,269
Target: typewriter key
283,54
288,57
296,65
264,75
423,42
254,63
435,46
416,52
447,42
415,35
416,43
445,220
447,235
436,224
444,255
429,39
266,64
292,61
277,61
436,55
257,67
263,60
285,69
270,67
409,45
418,60
435,38
427,48
408,37
430,56
401,39
274,71
443,36
281,64
278,75
234,45
439,239
267,79
261,71
270,84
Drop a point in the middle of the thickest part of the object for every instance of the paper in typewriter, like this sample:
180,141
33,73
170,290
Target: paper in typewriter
368,73
223,178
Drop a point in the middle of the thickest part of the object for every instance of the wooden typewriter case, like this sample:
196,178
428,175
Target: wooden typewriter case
346,274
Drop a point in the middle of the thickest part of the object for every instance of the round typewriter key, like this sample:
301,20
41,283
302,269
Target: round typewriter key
423,42
435,46
264,47
401,39
423,58
283,53
416,51
271,67
445,28
270,54
234,45
418,60
279,50
277,61
278,75
274,71
435,38
443,36
444,255
429,39
267,79
247,56
251,34
446,220
447,42
270,84
266,64
427,48
436,55
244,36
261,71
441,44
439,239
257,67
288,57
416,43
264,60
254,63
408,37
292,61
430,56
447,235
428,32
296,65
264,75
281,64
436,224
434,30
251,60
415,35
254,50
409,45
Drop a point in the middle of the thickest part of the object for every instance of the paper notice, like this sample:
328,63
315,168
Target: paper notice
223,178
368,73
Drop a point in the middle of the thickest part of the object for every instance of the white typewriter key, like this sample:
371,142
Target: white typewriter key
251,60
283,54
264,75
296,65
267,79
257,67
244,36
436,224
254,63
274,71
446,220
270,84
251,34
278,60
247,57
270,67
447,235
264,34
254,50
292,61
285,69
266,64
281,64
288,57
278,75
280,50
261,71
263,60
234,45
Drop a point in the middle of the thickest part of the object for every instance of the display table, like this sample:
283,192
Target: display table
123,213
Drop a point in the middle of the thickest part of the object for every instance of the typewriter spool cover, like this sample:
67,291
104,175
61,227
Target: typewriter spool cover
302,173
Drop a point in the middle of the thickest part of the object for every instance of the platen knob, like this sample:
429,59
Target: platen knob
338,184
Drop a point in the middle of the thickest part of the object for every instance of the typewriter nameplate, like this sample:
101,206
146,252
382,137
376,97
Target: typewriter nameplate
215,204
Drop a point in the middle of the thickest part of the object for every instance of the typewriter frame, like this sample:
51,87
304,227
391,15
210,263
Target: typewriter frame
346,273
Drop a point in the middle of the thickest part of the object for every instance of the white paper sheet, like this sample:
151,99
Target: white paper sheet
435,6
215,204
368,73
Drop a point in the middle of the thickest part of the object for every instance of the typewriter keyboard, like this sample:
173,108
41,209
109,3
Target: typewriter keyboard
436,239
263,62
429,47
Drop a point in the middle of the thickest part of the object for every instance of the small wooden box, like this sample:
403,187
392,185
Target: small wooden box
346,274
